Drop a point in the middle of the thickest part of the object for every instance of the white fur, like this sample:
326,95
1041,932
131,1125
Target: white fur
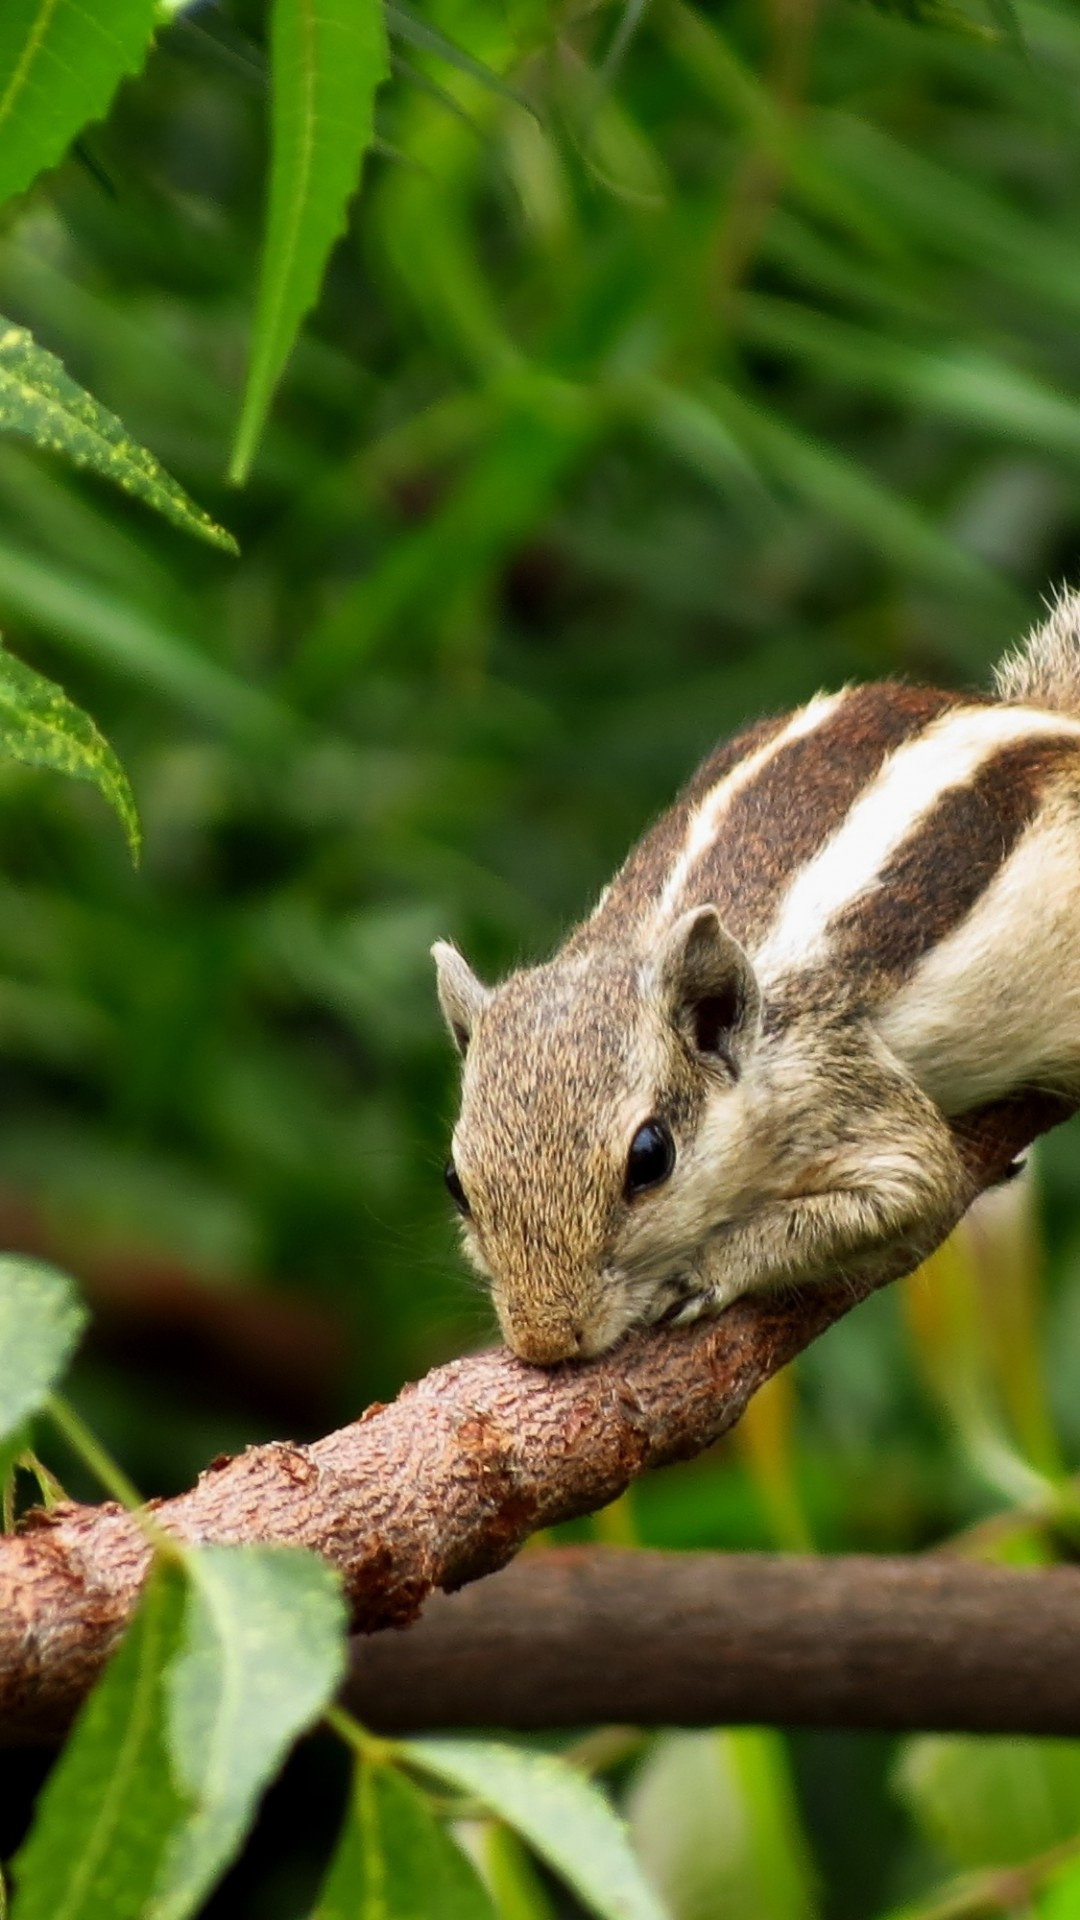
1044,671
707,815
904,792
997,1004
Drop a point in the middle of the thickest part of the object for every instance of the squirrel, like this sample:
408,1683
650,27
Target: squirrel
856,923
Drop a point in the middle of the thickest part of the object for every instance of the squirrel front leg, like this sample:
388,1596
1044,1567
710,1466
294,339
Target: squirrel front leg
873,1164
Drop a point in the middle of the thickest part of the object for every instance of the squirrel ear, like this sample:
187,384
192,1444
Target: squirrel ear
461,995
708,986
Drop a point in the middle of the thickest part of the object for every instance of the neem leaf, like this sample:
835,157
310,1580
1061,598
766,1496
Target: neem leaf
110,1806
395,1862
560,1813
61,61
40,402
41,1318
40,726
328,58
262,1653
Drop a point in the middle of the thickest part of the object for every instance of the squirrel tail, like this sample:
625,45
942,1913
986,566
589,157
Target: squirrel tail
1044,671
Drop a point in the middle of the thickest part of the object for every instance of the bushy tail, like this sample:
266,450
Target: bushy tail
1045,670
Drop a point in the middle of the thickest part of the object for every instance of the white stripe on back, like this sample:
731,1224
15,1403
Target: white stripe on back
704,821
903,793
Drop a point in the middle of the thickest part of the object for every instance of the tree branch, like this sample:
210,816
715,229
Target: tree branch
586,1635
443,1485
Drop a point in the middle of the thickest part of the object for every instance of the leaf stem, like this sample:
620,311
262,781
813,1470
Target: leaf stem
110,1474
368,1746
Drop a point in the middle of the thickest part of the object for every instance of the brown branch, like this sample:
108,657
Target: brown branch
588,1635
443,1485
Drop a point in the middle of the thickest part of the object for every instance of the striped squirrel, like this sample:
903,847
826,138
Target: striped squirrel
856,922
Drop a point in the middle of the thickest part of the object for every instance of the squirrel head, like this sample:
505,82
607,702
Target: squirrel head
602,1131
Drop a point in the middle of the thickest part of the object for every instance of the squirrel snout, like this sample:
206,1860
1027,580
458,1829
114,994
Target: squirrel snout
545,1345
546,1338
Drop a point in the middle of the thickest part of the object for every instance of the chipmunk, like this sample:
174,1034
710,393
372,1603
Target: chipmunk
857,922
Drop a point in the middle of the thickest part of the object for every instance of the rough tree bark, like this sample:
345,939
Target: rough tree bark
444,1484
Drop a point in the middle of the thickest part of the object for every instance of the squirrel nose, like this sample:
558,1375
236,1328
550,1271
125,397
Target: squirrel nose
545,1346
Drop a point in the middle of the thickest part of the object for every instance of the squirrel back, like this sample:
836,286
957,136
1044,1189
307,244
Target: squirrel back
842,844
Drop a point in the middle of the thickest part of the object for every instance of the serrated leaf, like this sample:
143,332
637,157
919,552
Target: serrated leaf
40,726
262,1652
61,61
41,1319
40,402
110,1806
328,58
395,1862
992,1802
562,1815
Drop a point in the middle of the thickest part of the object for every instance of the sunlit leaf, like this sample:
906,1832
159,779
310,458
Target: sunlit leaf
111,1807
41,403
262,1652
328,58
41,1319
40,726
61,61
394,1859
560,1813
715,1822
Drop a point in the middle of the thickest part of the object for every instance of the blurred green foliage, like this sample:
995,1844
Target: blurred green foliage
713,354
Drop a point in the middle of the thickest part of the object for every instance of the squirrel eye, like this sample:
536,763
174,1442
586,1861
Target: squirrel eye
652,1157
455,1189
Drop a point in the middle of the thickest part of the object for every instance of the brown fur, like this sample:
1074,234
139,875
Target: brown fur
774,825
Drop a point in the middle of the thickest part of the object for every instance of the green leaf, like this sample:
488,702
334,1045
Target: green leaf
41,403
328,59
110,1806
395,1862
41,1319
561,1814
992,1802
715,1821
61,61
262,1653
40,726
511,1875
